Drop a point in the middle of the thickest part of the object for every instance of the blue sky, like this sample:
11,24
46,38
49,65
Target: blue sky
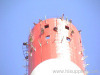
17,17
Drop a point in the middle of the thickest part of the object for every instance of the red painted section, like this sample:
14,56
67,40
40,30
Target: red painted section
46,48
76,47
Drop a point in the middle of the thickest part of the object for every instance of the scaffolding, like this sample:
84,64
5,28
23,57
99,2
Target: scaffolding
25,53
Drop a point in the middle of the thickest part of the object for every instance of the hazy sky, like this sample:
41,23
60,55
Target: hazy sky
17,17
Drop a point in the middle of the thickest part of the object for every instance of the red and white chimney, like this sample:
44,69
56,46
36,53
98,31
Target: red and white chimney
55,48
